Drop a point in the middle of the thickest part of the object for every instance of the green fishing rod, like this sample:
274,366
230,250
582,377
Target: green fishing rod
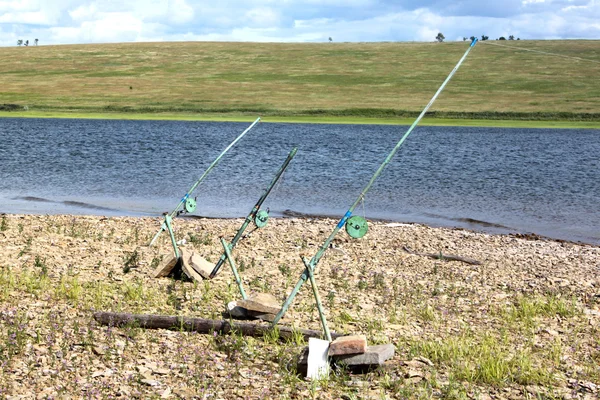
187,203
311,265
259,217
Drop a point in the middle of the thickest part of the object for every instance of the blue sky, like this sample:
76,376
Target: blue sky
78,21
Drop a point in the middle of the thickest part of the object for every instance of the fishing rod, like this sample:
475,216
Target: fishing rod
311,265
259,217
187,203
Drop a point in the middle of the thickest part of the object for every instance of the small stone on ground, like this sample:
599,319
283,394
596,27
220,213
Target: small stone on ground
263,303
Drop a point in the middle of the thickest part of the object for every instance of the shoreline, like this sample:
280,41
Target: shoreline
466,224
245,117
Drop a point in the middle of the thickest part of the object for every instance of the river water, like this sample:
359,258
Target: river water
543,181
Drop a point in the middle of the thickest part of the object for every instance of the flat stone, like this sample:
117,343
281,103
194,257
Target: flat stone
236,311
161,371
186,267
166,393
165,269
201,265
260,315
419,362
375,355
263,303
356,344
240,312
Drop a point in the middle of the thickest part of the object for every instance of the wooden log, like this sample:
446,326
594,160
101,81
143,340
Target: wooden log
200,325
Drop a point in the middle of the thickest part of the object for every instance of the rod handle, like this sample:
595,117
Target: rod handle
216,268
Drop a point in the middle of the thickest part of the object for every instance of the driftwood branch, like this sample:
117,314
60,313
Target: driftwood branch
200,325
446,257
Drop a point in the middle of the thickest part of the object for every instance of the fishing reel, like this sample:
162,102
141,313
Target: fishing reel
356,227
261,218
190,205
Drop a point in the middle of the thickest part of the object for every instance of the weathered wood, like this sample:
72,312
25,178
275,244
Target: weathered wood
445,257
200,325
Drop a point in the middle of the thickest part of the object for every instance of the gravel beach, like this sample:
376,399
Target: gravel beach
521,324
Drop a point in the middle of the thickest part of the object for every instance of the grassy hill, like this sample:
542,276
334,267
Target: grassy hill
383,80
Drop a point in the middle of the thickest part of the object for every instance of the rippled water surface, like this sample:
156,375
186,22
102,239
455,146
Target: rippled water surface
544,181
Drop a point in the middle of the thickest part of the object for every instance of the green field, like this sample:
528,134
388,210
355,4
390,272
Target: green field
317,82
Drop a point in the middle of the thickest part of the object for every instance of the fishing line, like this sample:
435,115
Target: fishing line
280,181
364,212
310,265
188,203
273,194
258,216
541,52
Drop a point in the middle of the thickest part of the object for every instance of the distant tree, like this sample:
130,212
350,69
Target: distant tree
502,38
27,42
465,38
483,37
511,37
330,39
19,42
440,37
472,38
518,38
36,42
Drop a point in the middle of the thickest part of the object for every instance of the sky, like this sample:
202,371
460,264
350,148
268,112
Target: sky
79,21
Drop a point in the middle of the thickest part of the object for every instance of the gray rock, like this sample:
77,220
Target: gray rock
236,311
374,356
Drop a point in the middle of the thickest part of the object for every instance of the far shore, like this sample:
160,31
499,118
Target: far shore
309,119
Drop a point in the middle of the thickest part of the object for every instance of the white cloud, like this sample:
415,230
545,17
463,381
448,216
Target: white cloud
80,21
262,17
27,17
84,12
179,12
113,27
18,5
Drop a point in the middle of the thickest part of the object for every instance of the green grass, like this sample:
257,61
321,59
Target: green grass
310,82
486,360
